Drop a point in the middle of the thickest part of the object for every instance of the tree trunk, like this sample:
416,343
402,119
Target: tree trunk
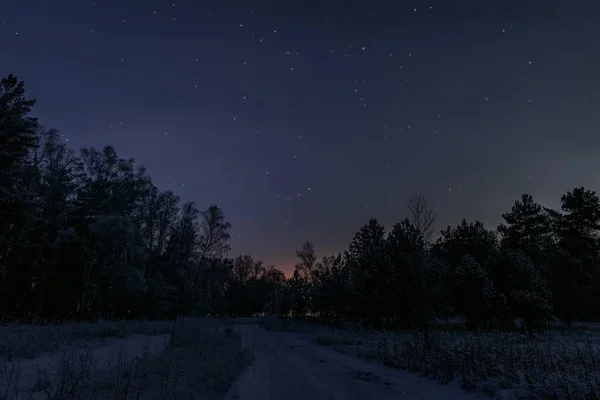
426,336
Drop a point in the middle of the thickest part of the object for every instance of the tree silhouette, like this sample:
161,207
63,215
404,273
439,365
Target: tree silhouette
87,235
421,215
527,227
308,260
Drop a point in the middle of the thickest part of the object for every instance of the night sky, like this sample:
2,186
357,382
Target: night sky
302,119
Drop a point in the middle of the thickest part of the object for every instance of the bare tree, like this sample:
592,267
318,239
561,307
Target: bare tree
308,259
214,234
214,237
421,215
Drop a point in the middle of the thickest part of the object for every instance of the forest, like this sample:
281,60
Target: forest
88,235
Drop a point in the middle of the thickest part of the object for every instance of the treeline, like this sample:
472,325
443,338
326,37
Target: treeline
89,235
538,265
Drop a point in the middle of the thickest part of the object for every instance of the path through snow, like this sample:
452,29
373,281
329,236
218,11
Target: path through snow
290,366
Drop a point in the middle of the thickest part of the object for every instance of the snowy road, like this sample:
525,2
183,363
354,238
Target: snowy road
290,366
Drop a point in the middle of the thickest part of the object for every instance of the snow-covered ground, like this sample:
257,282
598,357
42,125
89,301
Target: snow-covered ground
196,359
290,365
201,358
558,365
49,369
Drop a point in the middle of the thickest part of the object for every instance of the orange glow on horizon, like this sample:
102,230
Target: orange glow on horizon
286,267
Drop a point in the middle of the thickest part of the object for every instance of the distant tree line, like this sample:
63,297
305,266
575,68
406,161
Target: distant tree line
538,265
89,235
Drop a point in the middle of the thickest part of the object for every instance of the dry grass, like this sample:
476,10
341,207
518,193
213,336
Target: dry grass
200,361
29,341
563,366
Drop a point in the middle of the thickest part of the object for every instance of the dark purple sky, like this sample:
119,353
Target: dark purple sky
305,118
